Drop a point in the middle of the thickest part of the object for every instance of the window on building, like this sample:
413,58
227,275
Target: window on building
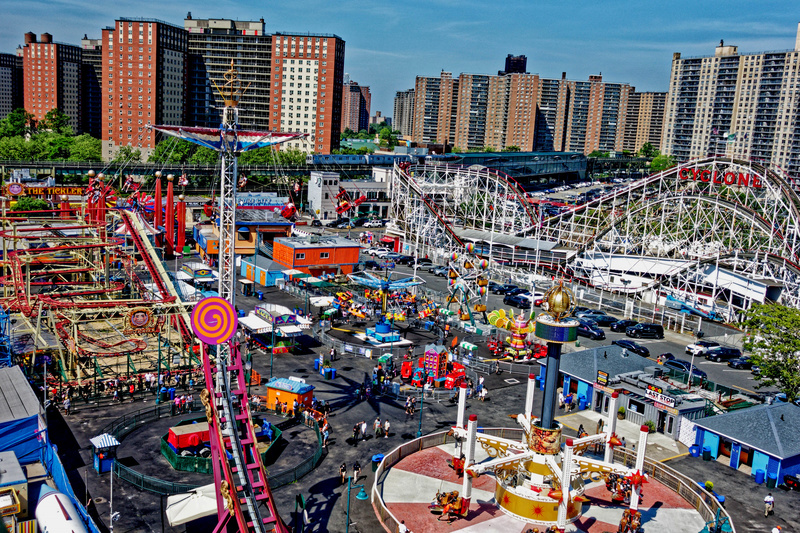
324,255
299,256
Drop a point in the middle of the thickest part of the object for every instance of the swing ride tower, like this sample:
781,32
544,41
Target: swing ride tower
244,501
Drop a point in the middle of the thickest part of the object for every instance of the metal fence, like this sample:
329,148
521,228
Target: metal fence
124,425
705,503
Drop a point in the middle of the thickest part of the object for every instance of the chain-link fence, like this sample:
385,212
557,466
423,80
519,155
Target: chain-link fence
124,425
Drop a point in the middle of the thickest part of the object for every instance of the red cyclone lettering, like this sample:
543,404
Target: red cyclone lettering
730,178
705,175
744,179
717,180
685,173
756,182
694,174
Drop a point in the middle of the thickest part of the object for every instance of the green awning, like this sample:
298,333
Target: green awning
329,312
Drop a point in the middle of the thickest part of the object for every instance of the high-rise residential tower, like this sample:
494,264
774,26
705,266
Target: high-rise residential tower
745,106
212,44
307,77
91,86
356,100
144,82
52,78
10,83
404,112
644,121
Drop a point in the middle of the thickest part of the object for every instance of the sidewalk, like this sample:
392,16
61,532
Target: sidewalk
659,446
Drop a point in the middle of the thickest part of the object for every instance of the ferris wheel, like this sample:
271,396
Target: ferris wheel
468,283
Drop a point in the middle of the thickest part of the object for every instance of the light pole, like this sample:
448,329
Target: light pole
158,372
248,366
362,495
421,405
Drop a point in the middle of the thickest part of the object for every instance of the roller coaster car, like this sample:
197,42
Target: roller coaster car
360,200
449,503
343,207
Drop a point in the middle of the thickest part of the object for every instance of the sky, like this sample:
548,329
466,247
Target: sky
389,43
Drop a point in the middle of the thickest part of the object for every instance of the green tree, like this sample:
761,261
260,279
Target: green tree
598,154
29,203
648,150
53,146
18,148
126,154
172,150
662,162
16,123
512,148
85,148
56,121
204,155
347,134
775,346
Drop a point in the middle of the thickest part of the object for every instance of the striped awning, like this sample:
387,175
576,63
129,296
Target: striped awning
104,441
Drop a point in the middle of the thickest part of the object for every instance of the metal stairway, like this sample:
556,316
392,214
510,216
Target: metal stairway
234,449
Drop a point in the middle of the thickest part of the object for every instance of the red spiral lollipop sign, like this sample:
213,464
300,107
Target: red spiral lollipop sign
214,320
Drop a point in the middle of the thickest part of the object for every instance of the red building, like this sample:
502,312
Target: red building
51,78
307,76
356,101
316,256
144,82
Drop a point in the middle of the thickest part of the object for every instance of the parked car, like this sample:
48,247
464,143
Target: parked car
742,363
518,300
343,225
405,260
518,290
653,331
371,265
493,286
316,223
383,252
632,347
441,271
422,263
373,224
620,326
684,366
578,309
587,328
700,347
603,321
503,289
723,353
667,356
588,311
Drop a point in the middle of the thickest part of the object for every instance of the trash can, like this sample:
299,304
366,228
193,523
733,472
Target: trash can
164,394
260,295
721,499
376,460
326,373
241,313
759,477
694,451
333,373
706,453
396,389
772,480
581,403
316,365
540,382
171,393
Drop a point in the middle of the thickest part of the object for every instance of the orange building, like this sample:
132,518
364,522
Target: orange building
287,391
315,255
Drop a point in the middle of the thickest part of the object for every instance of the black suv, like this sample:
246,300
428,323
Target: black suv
723,353
654,331
588,328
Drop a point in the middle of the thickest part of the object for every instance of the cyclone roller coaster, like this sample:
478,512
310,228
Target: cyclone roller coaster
711,235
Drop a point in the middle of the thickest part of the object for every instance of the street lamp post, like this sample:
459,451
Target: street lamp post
421,405
362,495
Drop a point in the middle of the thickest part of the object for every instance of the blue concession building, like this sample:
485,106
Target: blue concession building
765,438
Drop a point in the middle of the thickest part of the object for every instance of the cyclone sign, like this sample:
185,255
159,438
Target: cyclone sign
214,320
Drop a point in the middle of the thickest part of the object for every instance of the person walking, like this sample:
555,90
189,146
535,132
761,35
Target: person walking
386,429
377,427
343,472
483,394
769,505
363,430
356,472
68,406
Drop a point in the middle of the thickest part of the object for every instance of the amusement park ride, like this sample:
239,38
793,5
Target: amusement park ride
244,500
538,481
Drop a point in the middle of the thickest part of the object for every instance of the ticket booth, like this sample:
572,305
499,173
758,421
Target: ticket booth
104,451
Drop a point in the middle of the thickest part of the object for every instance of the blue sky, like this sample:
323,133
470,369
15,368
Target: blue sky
391,42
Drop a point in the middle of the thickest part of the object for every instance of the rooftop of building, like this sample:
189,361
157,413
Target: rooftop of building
316,242
289,385
772,429
17,400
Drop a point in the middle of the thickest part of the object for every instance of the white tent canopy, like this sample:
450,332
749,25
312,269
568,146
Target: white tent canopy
183,508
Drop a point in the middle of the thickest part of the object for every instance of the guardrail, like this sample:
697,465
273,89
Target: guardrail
703,502
124,425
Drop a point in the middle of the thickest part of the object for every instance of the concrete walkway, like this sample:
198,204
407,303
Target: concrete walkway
660,447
